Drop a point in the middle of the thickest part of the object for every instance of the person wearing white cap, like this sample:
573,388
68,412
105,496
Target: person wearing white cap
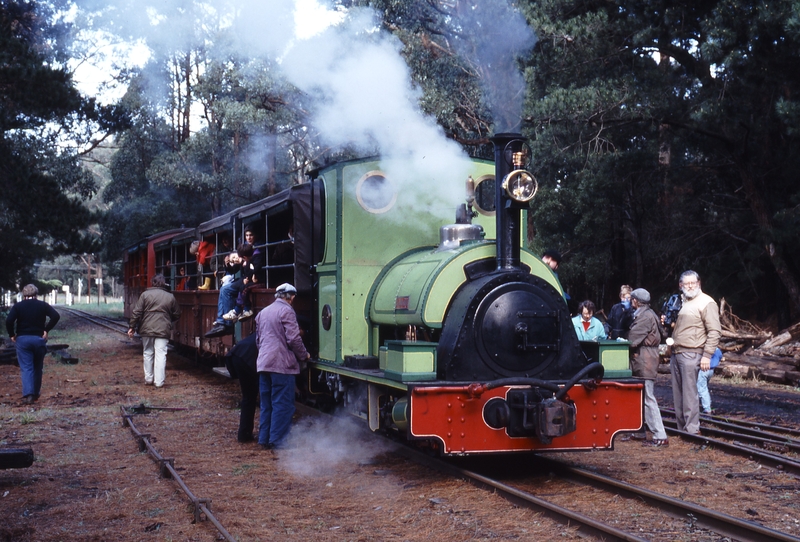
645,336
280,351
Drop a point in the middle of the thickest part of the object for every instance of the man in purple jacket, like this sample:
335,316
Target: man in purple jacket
33,319
280,351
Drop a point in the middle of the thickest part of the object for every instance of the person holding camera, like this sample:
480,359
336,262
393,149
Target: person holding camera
695,339
621,316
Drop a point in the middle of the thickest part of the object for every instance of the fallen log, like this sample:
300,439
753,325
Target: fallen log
8,355
778,340
16,458
745,336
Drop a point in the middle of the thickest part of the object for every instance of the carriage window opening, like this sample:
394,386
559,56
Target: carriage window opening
375,192
280,256
485,195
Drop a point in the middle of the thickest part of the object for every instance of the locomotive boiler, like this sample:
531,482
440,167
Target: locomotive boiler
424,318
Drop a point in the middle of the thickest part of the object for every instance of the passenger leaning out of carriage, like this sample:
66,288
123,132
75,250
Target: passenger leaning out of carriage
251,277
621,316
586,325
203,251
237,268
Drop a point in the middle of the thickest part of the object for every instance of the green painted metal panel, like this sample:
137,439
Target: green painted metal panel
418,288
328,339
363,237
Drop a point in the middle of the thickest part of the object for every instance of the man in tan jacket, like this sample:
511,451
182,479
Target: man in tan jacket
153,316
696,336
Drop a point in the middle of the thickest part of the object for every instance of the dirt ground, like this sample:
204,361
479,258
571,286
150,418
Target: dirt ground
90,482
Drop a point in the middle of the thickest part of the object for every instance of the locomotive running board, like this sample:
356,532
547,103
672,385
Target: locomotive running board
450,415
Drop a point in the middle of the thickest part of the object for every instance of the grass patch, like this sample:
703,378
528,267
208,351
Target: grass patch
113,309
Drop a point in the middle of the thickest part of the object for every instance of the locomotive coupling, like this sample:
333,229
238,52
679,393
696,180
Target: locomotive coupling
524,413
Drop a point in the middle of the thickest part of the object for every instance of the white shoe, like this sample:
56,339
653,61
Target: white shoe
231,315
246,314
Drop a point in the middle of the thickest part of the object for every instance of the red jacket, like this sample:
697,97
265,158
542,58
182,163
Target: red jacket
204,252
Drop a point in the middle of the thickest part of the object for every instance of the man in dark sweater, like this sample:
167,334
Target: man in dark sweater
30,317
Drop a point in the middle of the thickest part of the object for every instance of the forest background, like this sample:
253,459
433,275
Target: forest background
664,133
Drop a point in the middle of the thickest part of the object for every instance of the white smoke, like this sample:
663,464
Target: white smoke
317,446
364,96
494,34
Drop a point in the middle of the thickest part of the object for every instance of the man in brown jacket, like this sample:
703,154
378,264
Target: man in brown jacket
152,317
645,336
696,335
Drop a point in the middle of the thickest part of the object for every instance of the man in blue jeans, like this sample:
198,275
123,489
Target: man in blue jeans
30,317
280,351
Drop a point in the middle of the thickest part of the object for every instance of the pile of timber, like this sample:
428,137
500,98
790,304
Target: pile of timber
750,352
753,353
8,352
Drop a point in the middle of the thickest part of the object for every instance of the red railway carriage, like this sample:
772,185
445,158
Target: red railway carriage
142,261
282,225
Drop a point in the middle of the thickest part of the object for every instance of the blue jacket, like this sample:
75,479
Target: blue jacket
596,330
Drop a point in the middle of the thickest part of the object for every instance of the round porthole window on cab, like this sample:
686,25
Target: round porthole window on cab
485,195
375,192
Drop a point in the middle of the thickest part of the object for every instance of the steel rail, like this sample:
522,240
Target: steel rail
98,320
771,460
570,518
748,427
763,439
167,470
718,522
584,524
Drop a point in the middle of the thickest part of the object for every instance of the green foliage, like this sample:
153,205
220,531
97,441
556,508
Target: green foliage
41,184
664,137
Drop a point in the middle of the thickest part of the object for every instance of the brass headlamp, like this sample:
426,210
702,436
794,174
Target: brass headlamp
520,185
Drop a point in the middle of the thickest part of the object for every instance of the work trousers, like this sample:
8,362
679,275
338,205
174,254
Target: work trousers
155,360
31,350
277,407
652,414
684,367
248,381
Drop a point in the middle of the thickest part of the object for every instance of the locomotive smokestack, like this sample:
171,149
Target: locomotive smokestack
508,215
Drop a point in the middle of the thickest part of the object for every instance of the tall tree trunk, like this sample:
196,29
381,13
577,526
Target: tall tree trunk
759,208
187,100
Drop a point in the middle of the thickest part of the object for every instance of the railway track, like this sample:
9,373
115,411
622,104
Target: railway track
771,445
519,491
521,494
108,323
526,474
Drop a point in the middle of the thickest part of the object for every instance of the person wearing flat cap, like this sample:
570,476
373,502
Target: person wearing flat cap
645,335
280,351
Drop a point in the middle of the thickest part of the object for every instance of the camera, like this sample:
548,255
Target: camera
671,308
